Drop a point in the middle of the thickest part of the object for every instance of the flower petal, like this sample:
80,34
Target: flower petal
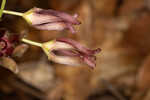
3,44
55,45
79,47
66,17
71,28
36,18
51,26
64,52
89,61
64,59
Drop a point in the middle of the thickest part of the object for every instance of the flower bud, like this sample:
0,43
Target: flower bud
69,52
50,19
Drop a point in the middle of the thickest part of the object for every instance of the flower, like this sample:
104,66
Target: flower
6,43
69,52
51,19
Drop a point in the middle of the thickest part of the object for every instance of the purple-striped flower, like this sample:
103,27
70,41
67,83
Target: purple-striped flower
70,52
51,19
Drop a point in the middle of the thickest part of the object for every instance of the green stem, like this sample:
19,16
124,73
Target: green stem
2,7
12,13
31,42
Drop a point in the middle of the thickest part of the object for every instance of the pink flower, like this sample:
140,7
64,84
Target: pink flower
70,52
51,19
6,43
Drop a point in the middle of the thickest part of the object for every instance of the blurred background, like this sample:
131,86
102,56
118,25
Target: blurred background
121,28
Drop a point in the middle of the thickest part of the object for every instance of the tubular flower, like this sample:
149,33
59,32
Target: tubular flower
69,52
51,19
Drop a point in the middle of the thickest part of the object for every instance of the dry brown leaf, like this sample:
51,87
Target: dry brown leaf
9,63
20,50
143,79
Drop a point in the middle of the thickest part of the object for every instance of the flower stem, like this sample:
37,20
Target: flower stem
12,13
31,42
2,7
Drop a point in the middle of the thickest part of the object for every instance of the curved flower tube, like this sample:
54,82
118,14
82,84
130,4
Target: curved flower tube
69,52
51,19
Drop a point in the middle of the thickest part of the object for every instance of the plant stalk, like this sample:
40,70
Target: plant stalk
12,13
2,7
31,42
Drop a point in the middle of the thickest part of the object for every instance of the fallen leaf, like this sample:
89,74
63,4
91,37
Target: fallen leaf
9,63
143,79
20,50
